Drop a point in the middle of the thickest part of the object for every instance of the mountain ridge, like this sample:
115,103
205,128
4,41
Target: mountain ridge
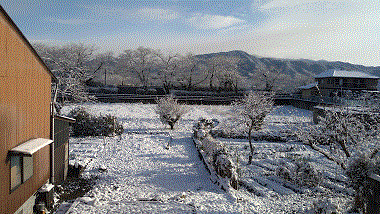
293,67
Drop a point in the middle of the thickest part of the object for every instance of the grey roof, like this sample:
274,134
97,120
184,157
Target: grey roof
312,85
343,73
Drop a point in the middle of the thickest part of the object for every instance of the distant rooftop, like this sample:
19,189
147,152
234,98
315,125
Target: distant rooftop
343,73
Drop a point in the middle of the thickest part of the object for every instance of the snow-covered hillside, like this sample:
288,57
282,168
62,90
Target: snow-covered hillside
138,175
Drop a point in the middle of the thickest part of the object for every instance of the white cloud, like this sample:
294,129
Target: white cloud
206,21
292,3
156,14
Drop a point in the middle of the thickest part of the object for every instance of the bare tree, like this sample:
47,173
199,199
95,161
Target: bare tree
270,79
228,74
252,110
71,64
168,66
213,65
191,71
108,61
141,62
224,70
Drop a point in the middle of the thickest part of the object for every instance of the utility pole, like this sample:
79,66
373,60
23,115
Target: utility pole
105,77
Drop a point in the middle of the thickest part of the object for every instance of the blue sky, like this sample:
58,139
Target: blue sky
312,29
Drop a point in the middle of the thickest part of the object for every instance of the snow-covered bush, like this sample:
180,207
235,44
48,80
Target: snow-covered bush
90,125
285,173
324,206
169,110
217,155
301,173
358,171
251,111
203,127
307,175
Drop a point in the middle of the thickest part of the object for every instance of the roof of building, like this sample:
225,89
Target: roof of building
343,73
310,86
10,21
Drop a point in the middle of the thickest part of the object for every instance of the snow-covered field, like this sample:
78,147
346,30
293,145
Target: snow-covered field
138,175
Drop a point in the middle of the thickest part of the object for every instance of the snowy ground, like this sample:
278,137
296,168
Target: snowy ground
138,175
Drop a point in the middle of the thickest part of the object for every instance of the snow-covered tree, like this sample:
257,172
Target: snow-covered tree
221,68
342,133
348,136
252,110
167,69
229,78
191,72
270,79
169,110
140,62
71,65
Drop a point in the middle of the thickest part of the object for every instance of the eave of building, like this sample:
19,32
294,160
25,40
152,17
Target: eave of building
10,21
67,119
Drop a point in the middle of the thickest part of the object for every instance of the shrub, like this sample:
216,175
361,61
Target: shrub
324,206
301,173
90,125
169,110
307,175
358,171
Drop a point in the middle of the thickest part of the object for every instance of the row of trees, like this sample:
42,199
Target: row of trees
78,65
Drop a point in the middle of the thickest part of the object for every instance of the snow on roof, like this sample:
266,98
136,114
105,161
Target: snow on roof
312,85
31,146
343,73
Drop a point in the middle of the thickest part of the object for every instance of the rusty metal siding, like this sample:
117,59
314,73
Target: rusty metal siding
25,88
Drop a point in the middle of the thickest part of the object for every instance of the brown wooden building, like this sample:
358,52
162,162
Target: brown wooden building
25,120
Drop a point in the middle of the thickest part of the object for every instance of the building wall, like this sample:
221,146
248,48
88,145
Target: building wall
25,88
331,85
61,149
347,83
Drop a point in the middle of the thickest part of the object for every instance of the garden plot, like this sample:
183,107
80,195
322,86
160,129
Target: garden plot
136,174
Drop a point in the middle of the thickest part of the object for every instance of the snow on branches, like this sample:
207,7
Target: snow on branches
342,133
169,110
348,136
251,111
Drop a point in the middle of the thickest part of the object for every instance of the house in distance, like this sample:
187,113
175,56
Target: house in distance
334,82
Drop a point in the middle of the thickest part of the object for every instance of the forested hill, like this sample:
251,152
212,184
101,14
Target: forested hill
250,63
